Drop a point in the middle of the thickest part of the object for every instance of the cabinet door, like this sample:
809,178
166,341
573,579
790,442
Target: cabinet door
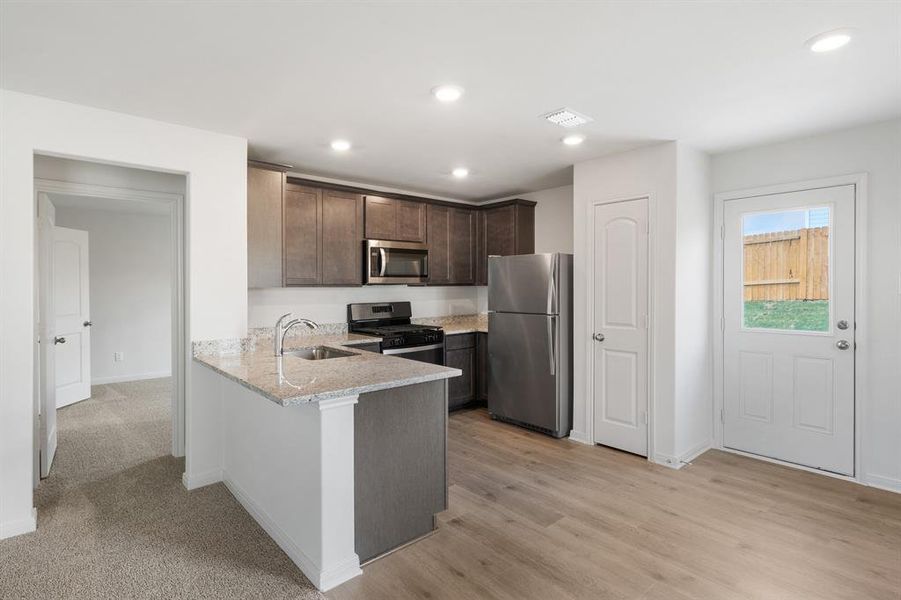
461,390
501,230
303,245
463,246
265,189
525,229
381,218
482,358
481,249
439,225
342,236
411,221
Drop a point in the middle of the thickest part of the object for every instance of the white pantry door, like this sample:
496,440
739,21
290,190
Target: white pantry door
71,301
788,331
619,357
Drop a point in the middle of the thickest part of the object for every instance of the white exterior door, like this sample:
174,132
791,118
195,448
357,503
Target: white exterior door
71,300
619,355
788,331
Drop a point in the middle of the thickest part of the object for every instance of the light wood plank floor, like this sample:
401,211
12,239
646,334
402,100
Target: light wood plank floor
534,517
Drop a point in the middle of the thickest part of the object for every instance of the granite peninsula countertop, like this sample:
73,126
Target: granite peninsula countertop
291,380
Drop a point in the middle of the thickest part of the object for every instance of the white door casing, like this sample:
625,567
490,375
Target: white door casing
47,335
71,299
619,356
789,394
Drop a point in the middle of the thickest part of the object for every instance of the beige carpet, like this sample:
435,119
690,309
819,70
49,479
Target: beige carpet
114,520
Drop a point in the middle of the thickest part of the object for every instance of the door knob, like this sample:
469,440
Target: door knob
842,344
59,340
87,323
598,337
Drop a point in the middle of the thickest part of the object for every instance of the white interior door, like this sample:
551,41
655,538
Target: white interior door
788,332
71,300
47,335
619,356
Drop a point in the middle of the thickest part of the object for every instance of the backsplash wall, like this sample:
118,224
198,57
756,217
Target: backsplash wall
329,304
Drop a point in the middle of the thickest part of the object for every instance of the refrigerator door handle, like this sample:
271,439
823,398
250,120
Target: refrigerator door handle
552,345
552,288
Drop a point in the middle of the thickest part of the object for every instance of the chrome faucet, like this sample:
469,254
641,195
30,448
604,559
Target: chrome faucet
282,328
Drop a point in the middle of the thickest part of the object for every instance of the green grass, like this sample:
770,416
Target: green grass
803,315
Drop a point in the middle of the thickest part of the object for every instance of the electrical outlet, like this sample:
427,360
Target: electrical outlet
118,356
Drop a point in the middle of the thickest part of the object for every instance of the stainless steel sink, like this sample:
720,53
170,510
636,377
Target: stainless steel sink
318,353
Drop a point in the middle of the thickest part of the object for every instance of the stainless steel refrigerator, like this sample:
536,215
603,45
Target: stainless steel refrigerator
530,341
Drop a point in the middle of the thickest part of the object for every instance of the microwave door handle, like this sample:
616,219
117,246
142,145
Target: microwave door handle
425,265
383,261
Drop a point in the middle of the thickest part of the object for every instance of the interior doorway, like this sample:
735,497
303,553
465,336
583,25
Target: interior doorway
135,240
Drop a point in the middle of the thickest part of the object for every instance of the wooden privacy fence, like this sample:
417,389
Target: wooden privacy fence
787,265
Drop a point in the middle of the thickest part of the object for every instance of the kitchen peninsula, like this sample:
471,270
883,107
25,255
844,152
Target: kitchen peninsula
338,453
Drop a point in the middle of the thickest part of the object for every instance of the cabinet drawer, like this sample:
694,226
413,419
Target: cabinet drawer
460,340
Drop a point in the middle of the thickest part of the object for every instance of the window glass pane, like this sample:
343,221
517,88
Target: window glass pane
786,269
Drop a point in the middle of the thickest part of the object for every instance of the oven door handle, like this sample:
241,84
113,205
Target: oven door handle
413,349
383,260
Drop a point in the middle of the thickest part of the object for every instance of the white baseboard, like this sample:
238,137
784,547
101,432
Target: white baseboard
677,462
199,480
581,437
132,377
10,529
882,482
322,579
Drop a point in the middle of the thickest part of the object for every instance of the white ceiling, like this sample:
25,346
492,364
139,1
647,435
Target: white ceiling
292,76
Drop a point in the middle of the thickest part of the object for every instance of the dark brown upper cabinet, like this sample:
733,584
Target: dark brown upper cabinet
303,239
510,229
342,235
265,191
395,219
463,246
302,232
323,234
507,228
439,244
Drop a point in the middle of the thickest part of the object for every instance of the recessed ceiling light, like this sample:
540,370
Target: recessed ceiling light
831,40
340,145
460,172
566,117
574,139
447,93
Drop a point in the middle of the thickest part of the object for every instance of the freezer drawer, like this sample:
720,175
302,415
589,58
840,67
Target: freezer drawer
523,356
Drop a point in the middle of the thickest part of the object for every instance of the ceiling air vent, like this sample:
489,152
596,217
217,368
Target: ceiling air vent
566,117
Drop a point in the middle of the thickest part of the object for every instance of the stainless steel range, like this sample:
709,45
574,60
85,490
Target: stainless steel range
391,322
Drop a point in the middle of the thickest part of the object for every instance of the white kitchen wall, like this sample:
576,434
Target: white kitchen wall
130,267
678,254
876,150
329,304
216,241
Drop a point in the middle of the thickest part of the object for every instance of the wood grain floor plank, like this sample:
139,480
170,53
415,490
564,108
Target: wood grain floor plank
534,517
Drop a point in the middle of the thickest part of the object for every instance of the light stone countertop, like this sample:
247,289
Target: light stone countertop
291,380
458,324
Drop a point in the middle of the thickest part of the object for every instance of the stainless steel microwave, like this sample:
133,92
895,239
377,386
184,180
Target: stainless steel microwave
396,262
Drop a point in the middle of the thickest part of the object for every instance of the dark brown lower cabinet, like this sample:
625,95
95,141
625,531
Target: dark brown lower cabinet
460,353
482,358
